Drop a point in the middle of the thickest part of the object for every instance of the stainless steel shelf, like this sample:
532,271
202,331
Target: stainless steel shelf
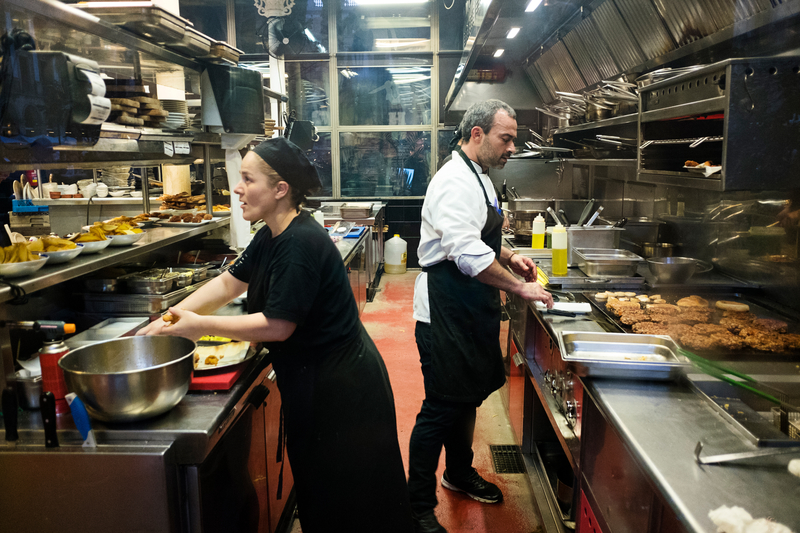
154,239
616,121
682,179
711,105
65,17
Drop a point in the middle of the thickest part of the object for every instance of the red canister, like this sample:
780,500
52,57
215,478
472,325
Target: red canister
52,375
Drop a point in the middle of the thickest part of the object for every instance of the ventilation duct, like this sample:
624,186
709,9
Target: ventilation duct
646,26
618,37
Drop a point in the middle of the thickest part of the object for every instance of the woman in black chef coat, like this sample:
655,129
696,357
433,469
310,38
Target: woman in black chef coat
339,416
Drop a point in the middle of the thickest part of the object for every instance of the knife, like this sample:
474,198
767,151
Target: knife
10,414
594,217
585,213
81,419
47,404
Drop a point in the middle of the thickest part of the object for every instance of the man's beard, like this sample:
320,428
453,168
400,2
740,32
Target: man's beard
488,159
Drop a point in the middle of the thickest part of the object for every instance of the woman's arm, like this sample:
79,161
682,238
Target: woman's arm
254,327
210,297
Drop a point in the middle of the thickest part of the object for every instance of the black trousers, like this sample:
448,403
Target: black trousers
439,423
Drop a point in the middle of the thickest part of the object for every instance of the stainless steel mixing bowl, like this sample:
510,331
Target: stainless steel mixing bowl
672,269
131,378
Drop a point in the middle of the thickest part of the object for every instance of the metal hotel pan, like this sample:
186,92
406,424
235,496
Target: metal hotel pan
621,355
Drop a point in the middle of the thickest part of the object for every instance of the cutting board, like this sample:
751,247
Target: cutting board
355,232
222,379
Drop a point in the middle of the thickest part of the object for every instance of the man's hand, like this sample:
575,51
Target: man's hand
533,292
182,323
523,266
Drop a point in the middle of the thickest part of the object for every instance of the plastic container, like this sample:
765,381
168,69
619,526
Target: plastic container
560,250
395,255
319,216
537,232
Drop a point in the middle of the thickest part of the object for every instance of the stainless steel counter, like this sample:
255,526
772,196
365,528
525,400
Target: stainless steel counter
193,426
661,422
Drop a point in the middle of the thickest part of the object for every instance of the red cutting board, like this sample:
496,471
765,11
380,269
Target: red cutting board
222,379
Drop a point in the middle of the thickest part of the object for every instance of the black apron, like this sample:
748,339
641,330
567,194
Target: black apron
466,362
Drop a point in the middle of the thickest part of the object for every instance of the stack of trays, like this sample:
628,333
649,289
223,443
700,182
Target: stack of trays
177,114
269,127
131,106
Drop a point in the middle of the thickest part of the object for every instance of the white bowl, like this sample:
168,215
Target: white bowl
116,194
124,240
94,246
64,255
15,270
136,194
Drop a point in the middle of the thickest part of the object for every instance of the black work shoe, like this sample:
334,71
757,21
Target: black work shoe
426,523
475,487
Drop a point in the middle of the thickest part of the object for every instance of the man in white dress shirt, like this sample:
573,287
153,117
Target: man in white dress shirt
457,308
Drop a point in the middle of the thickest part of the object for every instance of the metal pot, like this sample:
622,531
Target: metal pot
657,249
132,378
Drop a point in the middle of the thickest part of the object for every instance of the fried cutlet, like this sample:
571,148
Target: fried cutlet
651,328
770,324
633,316
734,325
766,342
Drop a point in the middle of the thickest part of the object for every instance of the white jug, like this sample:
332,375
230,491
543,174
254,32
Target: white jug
395,255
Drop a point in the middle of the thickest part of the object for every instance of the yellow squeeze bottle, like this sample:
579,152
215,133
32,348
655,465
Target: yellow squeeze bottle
559,251
537,232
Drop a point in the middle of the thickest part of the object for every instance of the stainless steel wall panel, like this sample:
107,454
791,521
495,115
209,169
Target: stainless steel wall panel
548,61
647,27
538,82
547,78
722,12
687,20
574,78
618,37
582,58
594,43
745,9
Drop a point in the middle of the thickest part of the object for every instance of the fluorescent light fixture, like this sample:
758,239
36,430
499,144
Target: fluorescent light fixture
498,52
512,33
117,4
533,4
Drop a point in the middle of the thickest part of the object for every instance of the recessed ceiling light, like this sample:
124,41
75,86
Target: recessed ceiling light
512,33
498,52
533,4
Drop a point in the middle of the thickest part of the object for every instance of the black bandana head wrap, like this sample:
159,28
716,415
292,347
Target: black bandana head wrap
291,164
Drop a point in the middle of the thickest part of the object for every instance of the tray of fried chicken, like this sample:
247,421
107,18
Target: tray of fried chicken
709,324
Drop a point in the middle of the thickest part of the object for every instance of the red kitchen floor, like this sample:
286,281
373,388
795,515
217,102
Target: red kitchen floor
388,320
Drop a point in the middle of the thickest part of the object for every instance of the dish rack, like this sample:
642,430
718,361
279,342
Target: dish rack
794,422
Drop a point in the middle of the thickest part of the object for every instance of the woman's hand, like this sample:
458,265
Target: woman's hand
523,266
177,323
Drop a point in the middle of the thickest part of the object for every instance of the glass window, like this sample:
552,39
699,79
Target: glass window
385,164
389,27
451,25
320,155
308,89
385,96
208,16
443,145
304,31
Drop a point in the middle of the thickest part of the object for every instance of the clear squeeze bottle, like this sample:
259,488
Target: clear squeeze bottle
559,251
537,232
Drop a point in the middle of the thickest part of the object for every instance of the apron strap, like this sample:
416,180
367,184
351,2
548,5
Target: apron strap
468,161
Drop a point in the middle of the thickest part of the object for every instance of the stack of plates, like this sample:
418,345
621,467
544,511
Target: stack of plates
115,176
178,118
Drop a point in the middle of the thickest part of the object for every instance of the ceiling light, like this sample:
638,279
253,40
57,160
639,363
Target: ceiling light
512,33
498,52
533,4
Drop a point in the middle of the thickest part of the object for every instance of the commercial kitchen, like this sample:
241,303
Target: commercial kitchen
658,394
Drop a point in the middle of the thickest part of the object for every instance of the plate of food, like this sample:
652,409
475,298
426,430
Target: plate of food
214,355
16,260
186,219
222,210
705,169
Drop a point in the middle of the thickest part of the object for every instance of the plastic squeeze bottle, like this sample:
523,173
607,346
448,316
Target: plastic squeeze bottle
559,251
537,232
